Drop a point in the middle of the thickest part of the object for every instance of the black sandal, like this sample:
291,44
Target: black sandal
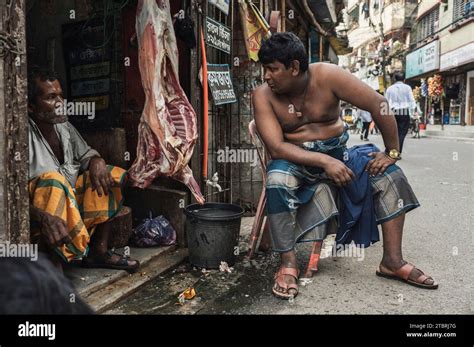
104,262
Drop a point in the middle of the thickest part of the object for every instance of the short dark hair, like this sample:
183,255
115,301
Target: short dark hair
37,287
44,74
399,76
284,47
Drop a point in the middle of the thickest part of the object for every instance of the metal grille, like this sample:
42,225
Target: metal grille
428,25
219,120
458,9
241,182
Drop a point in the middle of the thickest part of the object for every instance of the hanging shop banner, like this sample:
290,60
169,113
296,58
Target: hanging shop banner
218,36
254,27
222,5
423,60
220,84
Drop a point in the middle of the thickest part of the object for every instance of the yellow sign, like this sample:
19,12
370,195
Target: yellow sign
381,88
101,102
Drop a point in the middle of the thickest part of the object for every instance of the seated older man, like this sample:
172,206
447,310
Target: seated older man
73,193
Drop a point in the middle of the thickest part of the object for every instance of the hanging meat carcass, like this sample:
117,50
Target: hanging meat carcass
167,132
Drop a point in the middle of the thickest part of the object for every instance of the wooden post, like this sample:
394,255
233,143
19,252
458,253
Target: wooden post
283,15
14,204
321,48
425,113
441,103
195,91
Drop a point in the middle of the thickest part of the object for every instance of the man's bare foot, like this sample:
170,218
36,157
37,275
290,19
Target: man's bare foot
406,272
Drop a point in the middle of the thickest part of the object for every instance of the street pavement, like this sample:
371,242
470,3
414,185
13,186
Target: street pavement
438,238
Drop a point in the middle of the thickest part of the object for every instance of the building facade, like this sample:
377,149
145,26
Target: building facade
442,44
378,32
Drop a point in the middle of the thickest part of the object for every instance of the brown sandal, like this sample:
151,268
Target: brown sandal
288,271
105,262
403,273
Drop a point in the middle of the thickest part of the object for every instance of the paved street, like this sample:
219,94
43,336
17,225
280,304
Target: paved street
438,238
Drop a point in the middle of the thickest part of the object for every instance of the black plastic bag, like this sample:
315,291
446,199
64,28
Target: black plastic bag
154,232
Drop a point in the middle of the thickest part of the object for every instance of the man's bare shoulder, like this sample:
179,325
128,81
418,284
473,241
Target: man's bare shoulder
262,102
323,72
262,91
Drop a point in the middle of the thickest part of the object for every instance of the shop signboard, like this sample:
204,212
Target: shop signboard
218,35
90,71
457,57
101,102
100,86
424,59
220,84
222,5
87,55
89,63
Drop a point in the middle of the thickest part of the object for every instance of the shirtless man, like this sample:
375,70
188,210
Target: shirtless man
298,104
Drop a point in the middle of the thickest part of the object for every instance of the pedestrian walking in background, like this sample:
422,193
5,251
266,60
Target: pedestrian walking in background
401,101
366,120
372,128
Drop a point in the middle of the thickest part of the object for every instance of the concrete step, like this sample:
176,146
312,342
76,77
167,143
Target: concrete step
106,297
450,133
91,284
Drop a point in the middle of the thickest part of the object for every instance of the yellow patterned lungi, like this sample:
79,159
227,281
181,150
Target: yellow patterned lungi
80,208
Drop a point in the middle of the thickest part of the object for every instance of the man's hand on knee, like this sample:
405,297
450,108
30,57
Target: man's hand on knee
379,164
54,230
338,172
101,179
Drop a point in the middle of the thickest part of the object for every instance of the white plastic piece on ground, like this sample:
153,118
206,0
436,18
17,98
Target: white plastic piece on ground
328,244
224,267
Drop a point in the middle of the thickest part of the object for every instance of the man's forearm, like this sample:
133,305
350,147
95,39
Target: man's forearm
385,121
298,155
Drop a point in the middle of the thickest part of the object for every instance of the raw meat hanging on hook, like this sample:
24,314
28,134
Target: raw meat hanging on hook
168,130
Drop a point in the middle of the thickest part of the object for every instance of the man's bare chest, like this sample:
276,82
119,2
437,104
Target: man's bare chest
291,118
56,146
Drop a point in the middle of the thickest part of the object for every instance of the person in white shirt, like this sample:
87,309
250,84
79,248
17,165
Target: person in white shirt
401,101
366,118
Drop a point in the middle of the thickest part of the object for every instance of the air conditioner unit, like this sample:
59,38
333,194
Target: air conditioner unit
469,9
